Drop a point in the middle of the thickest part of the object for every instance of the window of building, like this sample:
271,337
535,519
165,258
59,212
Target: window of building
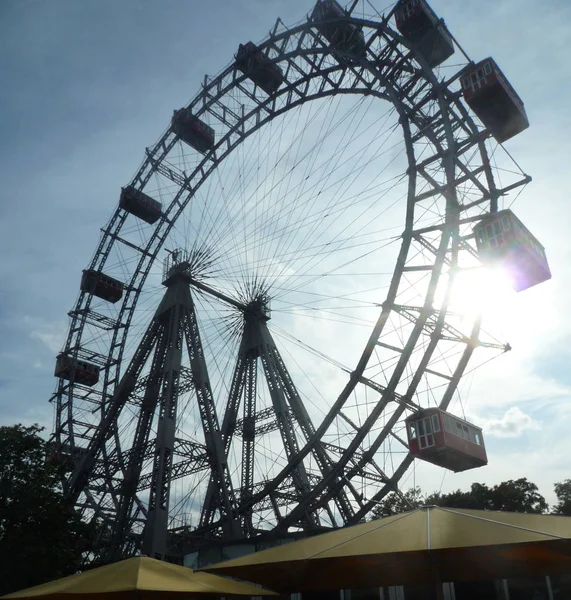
560,586
477,590
532,588
362,594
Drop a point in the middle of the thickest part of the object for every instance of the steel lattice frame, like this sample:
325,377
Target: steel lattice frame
455,176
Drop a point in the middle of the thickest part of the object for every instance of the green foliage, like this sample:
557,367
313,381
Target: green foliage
394,503
41,536
563,493
519,495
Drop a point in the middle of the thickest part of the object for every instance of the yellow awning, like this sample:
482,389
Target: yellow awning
140,577
424,545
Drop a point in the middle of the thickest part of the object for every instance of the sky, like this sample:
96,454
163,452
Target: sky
87,86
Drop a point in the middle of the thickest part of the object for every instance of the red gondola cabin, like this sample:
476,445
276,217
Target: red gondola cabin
339,32
101,285
418,24
140,205
259,68
57,457
503,240
80,370
192,130
445,440
489,94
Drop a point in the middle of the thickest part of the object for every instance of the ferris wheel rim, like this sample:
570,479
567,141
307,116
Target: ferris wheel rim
119,217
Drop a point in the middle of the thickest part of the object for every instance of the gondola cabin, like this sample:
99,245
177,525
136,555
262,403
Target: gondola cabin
419,25
259,68
503,240
101,285
339,32
445,440
489,94
192,130
78,370
140,205
58,458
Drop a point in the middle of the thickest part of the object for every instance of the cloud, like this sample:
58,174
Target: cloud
51,335
512,424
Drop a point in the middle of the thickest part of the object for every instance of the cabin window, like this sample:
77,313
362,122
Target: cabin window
481,238
425,437
488,68
446,422
509,89
495,232
475,80
435,423
526,239
462,431
412,431
478,438
408,9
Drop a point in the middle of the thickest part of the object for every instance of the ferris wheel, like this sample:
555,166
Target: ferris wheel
272,300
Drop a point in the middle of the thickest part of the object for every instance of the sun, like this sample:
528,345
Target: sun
481,290
484,292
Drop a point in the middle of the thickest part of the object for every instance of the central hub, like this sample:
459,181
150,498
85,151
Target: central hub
258,307
186,263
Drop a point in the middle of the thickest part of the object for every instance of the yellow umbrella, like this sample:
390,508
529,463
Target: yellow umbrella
139,577
428,545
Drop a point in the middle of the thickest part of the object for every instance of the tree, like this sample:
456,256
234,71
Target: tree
394,503
478,497
519,495
41,536
563,493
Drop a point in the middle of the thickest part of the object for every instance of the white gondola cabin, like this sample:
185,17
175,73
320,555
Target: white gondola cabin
101,285
489,94
503,240
259,68
140,205
80,371
418,24
445,440
192,130
339,32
